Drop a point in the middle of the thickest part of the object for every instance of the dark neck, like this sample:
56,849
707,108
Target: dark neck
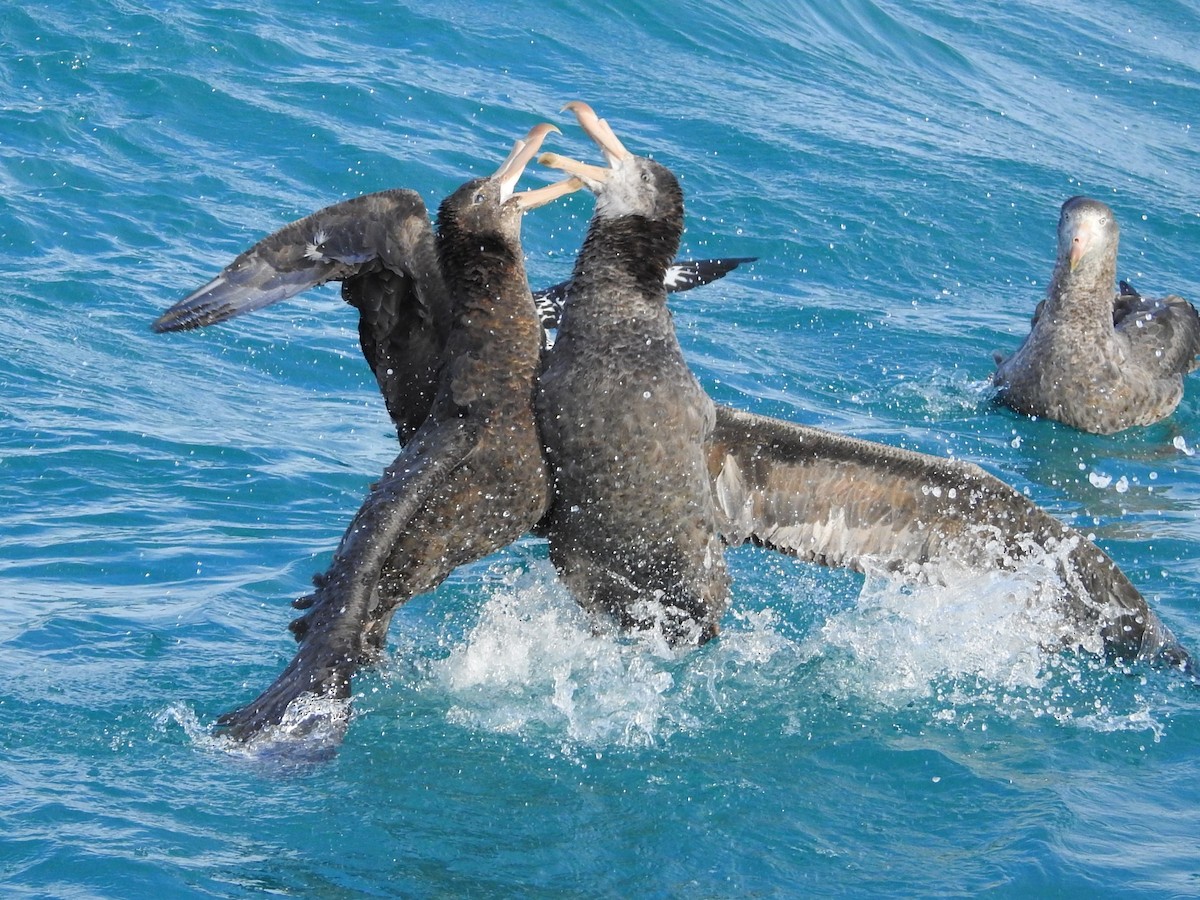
631,251
470,262
495,321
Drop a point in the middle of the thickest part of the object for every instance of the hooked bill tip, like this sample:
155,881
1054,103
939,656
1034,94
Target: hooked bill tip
541,130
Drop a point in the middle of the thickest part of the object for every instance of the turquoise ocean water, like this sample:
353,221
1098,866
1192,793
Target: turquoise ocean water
896,167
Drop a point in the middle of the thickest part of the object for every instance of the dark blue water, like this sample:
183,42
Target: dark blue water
898,170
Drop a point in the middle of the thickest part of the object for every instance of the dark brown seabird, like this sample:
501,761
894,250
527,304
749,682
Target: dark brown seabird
1095,359
632,526
472,478
651,478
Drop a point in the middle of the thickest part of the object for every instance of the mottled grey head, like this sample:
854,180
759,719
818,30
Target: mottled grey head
630,185
1087,234
490,206
479,225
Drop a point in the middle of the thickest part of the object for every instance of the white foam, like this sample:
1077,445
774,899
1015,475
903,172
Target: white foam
534,664
979,645
904,640
530,663
311,729
943,393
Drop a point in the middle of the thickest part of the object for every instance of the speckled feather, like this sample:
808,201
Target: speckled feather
622,460
625,421
382,249
841,501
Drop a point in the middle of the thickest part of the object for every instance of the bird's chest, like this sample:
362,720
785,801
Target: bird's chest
632,392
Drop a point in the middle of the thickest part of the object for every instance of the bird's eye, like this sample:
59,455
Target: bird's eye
645,177
1104,220
479,198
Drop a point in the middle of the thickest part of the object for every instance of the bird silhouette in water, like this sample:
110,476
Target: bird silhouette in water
1095,359
652,479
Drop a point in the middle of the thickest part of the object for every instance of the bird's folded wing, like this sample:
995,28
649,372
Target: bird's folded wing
1164,333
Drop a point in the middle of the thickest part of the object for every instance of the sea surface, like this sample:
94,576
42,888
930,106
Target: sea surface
897,168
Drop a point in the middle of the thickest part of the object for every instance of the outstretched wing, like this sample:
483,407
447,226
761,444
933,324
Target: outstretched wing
683,275
382,249
331,648
840,501
353,238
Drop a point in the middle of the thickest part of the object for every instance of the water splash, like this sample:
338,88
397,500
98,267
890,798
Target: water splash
534,663
903,638
941,393
981,646
536,666
311,731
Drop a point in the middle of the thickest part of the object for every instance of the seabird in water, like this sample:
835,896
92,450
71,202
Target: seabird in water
1094,359
633,523
651,478
472,478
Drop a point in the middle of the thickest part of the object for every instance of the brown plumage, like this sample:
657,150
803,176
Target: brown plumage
840,501
1095,359
634,528
472,478
383,251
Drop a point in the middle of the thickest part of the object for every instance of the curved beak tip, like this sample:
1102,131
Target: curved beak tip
540,131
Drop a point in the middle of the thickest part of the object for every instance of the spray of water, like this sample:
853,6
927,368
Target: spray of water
529,662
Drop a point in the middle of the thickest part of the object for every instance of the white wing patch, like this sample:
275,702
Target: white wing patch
312,249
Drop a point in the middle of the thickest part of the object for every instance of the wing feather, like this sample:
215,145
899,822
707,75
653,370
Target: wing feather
331,649
840,501
682,275
336,243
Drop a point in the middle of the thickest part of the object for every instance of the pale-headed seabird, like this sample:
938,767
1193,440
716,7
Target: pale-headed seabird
1095,359
633,523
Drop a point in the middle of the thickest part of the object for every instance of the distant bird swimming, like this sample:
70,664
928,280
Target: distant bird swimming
651,479
472,479
1095,359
